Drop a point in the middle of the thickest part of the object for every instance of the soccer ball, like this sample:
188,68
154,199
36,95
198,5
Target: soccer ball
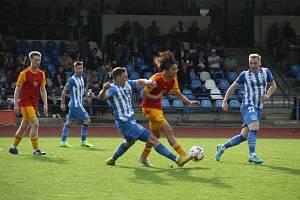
197,153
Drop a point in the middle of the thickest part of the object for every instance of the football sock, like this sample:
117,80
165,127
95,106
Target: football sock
145,153
34,142
180,151
17,140
84,129
162,150
234,141
65,133
120,151
252,141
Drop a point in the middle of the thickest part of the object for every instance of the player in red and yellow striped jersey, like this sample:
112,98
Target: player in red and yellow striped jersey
151,105
31,83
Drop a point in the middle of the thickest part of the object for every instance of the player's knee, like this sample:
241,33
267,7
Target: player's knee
254,126
128,143
153,140
87,121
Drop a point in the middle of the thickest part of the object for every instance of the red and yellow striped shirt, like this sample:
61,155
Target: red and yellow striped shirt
30,83
164,86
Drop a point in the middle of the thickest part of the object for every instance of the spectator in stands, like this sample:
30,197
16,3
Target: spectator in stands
59,78
136,47
22,60
201,63
94,60
102,74
231,63
105,60
71,46
3,79
78,56
181,31
153,32
289,33
184,78
219,45
214,61
66,62
193,29
54,104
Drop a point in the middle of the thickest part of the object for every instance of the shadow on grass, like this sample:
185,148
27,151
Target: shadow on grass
156,175
283,169
46,158
92,149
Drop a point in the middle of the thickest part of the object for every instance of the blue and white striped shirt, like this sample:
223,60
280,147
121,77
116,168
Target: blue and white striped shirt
255,85
120,99
76,88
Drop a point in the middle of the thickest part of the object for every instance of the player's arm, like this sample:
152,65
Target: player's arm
16,98
63,97
271,90
144,82
103,94
185,100
229,92
44,98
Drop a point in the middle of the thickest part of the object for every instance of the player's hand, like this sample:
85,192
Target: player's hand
265,97
63,107
16,108
106,85
45,108
159,96
224,106
194,103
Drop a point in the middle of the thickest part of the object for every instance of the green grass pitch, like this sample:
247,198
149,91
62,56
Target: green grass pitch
82,174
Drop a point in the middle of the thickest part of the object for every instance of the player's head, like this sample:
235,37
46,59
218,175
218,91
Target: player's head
120,75
78,67
35,58
254,62
167,63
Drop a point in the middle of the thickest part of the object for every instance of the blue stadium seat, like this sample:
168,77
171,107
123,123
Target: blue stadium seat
218,76
188,93
148,75
218,104
36,45
294,70
195,83
234,104
165,104
206,104
51,69
130,68
23,44
139,61
193,75
51,45
223,84
232,76
141,67
134,75
177,104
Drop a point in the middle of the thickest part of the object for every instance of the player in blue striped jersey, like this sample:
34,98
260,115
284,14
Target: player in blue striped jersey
255,83
119,95
75,85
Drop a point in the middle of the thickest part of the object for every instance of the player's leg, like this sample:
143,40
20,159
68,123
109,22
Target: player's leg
34,127
168,131
253,129
18,136
82,114
236,140
65,133
122,148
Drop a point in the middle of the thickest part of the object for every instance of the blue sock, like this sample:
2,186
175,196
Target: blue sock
65,133
84,129
120,151
234,141
252,141
162,150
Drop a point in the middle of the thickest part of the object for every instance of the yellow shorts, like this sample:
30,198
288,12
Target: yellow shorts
155,117
28,113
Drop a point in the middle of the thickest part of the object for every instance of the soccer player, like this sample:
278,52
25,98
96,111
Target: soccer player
75,85
31,82
255,82
152,106
119,96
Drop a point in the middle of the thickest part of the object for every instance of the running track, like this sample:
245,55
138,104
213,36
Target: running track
9,131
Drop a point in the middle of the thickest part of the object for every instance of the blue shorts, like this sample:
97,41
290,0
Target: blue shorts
77,113
250,114
132,131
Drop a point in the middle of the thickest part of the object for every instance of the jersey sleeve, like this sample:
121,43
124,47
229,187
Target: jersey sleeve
241,78
148,88
269,76
21,79
111,91
175,87
132,83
